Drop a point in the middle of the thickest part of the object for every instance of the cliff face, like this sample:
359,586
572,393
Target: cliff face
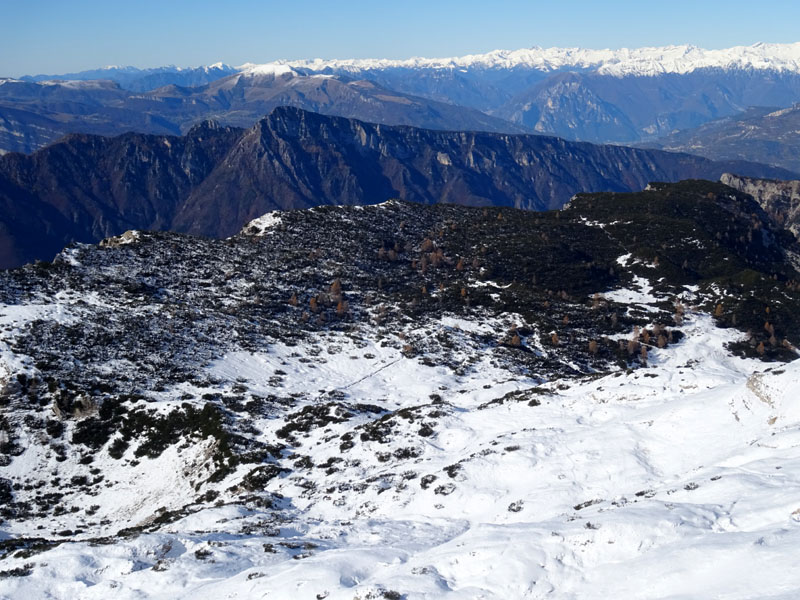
214,179
85,188
781,199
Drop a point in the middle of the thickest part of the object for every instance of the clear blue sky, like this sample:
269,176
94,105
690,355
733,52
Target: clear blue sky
58,36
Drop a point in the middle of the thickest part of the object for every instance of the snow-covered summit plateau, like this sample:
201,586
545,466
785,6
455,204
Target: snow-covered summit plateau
410,402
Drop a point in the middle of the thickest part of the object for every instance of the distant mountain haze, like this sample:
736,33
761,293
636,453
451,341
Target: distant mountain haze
767,135
35,114
617,96
143,80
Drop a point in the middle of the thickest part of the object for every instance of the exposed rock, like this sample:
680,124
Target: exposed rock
780,199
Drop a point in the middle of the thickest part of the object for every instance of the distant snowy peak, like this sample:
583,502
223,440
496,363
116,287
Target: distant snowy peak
121,68
87,84
276,69
639,61
217,66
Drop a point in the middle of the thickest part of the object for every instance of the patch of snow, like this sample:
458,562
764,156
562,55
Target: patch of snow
263,224
623,260
641,294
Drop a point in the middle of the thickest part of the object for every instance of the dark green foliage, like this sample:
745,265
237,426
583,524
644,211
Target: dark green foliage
453,470
155,432
22,571
426,481
54,428
25,547
6,495
710,235
426,431
8,446
381,430
258,478
92,432
118,448
530,395
311,417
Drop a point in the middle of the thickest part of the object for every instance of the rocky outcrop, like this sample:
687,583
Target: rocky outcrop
780,199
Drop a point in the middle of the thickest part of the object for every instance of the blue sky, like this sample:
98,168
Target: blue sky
57,36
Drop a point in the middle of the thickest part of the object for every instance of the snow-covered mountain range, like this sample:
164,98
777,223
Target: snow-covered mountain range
139,80
679,59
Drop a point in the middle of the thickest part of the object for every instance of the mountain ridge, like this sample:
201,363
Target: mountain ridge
139,80
602,96
34,114
215,179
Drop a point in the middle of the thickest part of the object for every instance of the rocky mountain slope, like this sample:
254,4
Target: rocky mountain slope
767,135
215,179
597,107
381,401
35,114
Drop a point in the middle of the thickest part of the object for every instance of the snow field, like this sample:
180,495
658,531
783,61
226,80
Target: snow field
679,480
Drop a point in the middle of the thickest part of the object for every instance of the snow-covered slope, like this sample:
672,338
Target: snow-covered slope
403,401
679,480
615,487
